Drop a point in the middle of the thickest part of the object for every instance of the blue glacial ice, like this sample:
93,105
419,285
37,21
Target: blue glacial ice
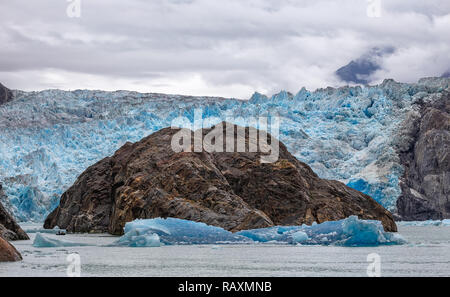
348,232
48,138
170,231
153,232
41,241
139,237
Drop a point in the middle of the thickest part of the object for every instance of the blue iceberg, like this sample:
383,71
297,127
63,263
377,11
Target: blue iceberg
40,241
299,237
139,237
348,232
172,231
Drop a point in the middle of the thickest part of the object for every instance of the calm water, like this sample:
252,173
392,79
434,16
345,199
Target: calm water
427,254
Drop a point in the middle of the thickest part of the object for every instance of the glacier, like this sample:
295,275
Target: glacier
171,231
48,138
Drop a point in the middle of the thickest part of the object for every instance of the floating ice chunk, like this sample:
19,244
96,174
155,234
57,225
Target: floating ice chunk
139,237
348,232
174,231
269,234
357,232
152,225
41,241
31,227
300,236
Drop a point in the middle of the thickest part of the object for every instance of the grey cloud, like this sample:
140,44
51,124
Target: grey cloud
228,48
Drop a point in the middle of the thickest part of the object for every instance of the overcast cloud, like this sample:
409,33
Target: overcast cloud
226,48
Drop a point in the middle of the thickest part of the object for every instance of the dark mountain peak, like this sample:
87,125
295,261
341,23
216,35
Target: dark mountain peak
359,70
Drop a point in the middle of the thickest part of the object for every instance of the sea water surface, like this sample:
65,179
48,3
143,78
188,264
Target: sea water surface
426,254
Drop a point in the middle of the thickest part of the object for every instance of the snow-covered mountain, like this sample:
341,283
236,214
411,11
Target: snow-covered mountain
351,134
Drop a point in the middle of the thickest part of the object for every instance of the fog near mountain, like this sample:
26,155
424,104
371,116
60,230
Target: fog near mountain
359,71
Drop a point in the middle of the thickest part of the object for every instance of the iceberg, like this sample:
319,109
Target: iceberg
348,232
40,241
171,231
299,237
139,237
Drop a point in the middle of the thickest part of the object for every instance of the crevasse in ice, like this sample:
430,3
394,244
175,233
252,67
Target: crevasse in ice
48,138
347,232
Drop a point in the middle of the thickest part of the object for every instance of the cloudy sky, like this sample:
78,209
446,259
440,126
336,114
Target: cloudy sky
208,47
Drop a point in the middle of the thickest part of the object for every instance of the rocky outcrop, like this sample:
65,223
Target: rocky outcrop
8,252
9,229
426,182
5,94
233,190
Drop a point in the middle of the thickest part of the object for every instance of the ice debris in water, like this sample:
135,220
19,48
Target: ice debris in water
30,227
445,223
348,232
40,241
139,237
299,236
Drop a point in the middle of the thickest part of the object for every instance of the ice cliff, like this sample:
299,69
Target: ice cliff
350,134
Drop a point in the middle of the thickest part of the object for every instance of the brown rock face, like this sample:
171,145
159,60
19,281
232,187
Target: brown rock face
9,229
232,190
5,94
8,253
426,182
